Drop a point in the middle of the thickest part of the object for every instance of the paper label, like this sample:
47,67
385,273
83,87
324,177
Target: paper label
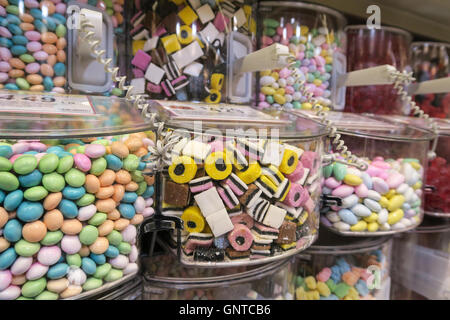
219,113
41,103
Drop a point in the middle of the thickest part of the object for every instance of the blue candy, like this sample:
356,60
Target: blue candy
4,42
68,208
40,26
148,192
221,242
361,287
21,40
12,231
11,18
348,217
112,252
3,22
127,210
129,197
30,211
330,297
98,258
88,265
60,69
72,193
335,273
2,196
18,50
59,18
55,149
343,265
13,200
11,86
31,152
36,13
7,258
6,151
113,162
58,271
15,29
50,23
141,166
48,84
31,180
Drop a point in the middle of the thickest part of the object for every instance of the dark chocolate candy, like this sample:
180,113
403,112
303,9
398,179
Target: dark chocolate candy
287,233
208,254
176,194
235,255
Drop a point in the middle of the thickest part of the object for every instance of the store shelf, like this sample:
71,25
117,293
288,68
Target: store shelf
425,18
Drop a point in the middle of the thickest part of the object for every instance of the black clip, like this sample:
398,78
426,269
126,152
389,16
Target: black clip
429,189
160,222
331,201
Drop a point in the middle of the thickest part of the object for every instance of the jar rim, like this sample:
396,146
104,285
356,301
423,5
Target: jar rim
430,43
385,28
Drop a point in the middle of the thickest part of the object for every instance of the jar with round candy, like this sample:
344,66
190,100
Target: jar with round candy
430,61
315,37
369,48
387,197
421,262
337,268
167,279
74,190
245,184
182,49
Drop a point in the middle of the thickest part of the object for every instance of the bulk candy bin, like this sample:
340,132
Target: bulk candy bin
184,50
388,197
368,48
315,37
74,188
166,279
337,268
245,184
421,262
430,61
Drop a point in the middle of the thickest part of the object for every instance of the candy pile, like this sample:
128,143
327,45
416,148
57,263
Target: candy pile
32,45
388,196
438,175
180,48
313,49
343,281
69,212
242,198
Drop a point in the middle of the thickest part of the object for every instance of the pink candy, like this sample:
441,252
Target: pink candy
34,46
5,279
82,162
361,190
32,68
343,191
33,35
324,275
94,150
284,73
332,183
20,147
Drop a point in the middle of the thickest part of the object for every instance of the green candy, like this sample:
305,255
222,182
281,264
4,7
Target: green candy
5,164
48,163
341,290
89,234
114,238
142,188
124,248
13,10
80,149
299,281
339,171
331,284
92,283
65,164
53,182
8,181
52,238
27,58
33,288
75,178
270,99
269,32
26,249
24,298
102,271
116,92
409,160
73,259
22,84
113,275
297,105
86,200
327,171
102,142
137,176
272,23
35,193
110,12
61,31
25,164
108,3
47,295
97,219
99,166
131,162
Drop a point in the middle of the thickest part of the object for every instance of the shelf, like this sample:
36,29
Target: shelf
428,18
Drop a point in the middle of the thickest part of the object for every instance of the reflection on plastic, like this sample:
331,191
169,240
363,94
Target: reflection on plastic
374,280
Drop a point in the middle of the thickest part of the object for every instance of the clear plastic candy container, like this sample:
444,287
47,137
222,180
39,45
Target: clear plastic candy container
430,61
369,48
421,262
315,36
166,279
388,197
337,268
74,188
245,184
184,50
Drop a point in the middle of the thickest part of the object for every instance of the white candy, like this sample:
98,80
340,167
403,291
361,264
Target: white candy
266,81
130,268
319,40
361,210
282,82
188,54
275,85
220,223
372,205
119,262
76,276
402,188
385,227
209,202
383,216
196,149
408,194
288,98
239,18
350,201
398,226
205,13
194,69
297,96
151,43
274,217
354,171
273,154
406,222
129,233
290,80
342,226
333,216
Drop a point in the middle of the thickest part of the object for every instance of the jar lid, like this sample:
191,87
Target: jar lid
382,28
342,21
374,126
433,225
25,115
243,120
443,125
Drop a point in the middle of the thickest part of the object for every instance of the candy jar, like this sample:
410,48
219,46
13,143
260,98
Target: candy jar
421,262
388,196
430,61
75,186
337,268
370,48
245,184
184,50
315,37
166,279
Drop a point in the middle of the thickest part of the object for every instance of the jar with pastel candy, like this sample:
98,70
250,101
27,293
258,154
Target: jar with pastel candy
421,262
386,198
245,184
315,37
184,49
74,191
167,279
369,48
337,268
430,61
